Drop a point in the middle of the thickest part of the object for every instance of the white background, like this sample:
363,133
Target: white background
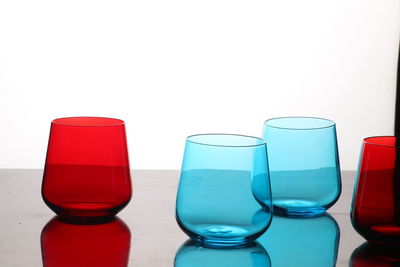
171,68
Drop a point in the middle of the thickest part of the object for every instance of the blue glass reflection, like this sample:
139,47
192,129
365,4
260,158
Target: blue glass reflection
302,242
370,255
193,254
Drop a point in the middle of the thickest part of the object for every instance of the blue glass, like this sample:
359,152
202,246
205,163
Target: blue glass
224,196
304,165
302,242
192,254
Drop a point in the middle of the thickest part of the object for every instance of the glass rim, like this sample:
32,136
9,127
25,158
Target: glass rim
367,140
332,123
188,139
113,121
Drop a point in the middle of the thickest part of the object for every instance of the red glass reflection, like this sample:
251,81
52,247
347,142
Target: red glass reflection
87,168
101,245
369,255
376,200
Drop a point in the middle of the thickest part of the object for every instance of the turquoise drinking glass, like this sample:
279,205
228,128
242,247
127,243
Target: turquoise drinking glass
224,196
304,165
192,254
302,242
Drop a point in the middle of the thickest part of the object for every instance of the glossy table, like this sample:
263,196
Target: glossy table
155,236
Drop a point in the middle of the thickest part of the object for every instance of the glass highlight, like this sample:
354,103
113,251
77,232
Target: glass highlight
224,196
304,165
375,212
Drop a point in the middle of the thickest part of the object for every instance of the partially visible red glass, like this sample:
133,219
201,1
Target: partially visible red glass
87,171
375,210
73,245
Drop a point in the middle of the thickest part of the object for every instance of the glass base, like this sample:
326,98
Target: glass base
381,234
222,236
221,242
86,213
298,208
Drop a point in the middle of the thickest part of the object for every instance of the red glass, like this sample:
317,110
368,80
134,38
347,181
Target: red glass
87,171
100,245
375,210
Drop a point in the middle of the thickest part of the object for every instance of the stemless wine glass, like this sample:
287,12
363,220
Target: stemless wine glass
304,165
101,245
192,254
87,172
375,210
224,196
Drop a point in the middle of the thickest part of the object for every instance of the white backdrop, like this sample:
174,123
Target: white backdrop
178,67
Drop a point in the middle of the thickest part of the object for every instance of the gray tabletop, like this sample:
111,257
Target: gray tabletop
150,216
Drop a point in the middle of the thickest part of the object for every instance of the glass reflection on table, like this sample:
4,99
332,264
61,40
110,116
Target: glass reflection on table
370,255
193,254
302,242
66,244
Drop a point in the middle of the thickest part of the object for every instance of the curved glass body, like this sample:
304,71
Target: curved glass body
224,195
375,212
304,165
192,254
87,168
372,255
302,242
101,245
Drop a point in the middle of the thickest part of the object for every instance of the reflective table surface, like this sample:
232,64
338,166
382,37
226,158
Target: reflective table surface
145,233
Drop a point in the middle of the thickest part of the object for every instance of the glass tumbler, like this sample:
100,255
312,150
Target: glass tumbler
375,212
87,172
224,196
304,165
